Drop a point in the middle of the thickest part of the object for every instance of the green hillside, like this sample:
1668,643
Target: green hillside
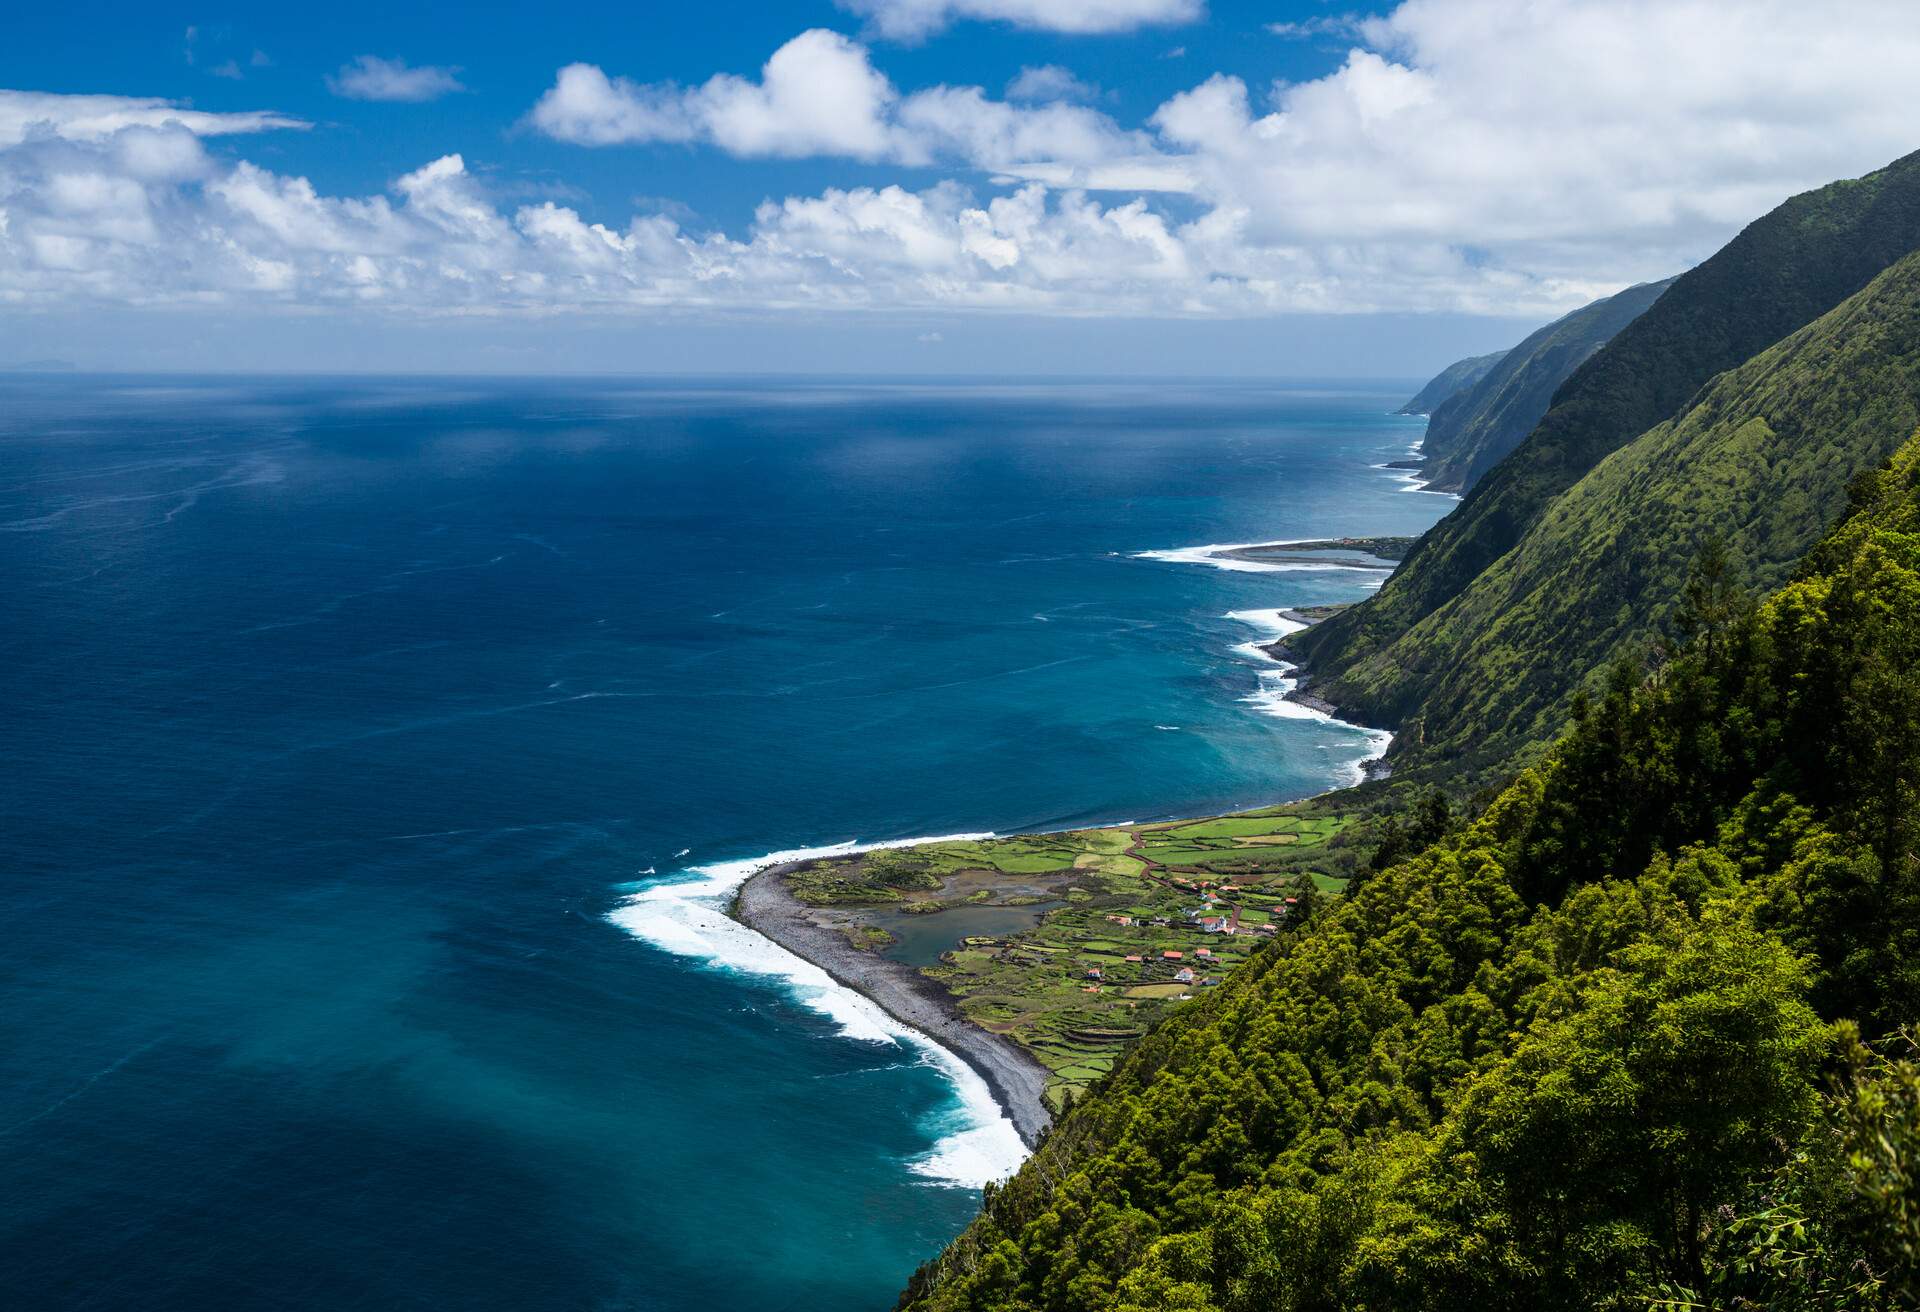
1456,377
1759,460
1591,1050
1473,429
1784,271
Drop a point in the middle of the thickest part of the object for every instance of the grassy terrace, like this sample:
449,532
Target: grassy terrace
1131,896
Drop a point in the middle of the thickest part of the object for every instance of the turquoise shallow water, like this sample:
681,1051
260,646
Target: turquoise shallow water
344,719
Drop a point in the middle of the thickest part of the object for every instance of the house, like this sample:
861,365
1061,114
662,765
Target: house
1093,972
1171,955
1204,952
1213,924
1093,988
1136,958
1208,982
1184,974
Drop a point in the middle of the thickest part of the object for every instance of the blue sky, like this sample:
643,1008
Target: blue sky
1062,186
507,55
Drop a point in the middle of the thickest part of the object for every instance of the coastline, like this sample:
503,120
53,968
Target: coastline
1016,1079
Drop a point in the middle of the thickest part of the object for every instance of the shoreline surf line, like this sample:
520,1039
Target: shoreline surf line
1220,556
1279,694
976,1142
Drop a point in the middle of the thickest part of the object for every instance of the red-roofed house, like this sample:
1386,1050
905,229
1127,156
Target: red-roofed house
1172,956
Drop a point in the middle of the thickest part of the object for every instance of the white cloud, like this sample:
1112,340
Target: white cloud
913,19
1468,155
1349,27
1590,141
370,77
820,94
123,221
92,118
1049,82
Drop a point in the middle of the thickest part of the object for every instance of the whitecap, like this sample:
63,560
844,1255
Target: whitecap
1278,679
1215,554
976,1144
686,915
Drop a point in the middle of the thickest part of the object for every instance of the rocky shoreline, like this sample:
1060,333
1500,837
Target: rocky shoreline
1377,768
1016,1079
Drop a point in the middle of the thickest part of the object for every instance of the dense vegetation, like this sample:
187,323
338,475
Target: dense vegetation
1593,1048
1783,272
1758,461
1472,430
1456,377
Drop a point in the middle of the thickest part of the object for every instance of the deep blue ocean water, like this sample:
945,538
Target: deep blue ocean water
342,719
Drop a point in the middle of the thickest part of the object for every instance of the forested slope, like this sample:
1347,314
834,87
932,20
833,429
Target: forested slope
1784,271
1475,428
1758,461
1579,1052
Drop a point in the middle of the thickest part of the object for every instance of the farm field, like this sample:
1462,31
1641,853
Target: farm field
1143,918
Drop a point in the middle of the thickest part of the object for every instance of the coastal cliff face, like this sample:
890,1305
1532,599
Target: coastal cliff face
1779,275
1573,547
1758,462
1457,377
1474,428
1594,1044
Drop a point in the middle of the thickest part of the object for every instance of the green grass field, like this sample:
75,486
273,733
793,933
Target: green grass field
1034,986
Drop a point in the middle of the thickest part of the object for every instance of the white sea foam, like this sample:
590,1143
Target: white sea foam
1277,679
686,916
1215,555
1410,480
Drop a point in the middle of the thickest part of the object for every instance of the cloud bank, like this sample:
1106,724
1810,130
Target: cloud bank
1465,155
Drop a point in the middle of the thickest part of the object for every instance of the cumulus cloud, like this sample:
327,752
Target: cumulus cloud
820,94
1599,140
370,77
147,217
1465,155
913,19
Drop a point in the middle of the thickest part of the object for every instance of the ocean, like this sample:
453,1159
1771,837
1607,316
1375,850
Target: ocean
378,755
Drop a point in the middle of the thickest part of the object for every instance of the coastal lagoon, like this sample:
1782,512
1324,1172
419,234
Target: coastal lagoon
380,755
